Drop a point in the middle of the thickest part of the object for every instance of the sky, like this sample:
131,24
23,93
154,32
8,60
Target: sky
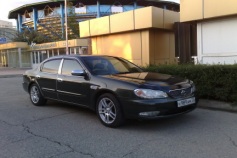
8,5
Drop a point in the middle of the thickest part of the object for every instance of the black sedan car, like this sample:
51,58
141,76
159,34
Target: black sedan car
113,87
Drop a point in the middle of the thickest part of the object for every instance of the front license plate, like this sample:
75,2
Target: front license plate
186,102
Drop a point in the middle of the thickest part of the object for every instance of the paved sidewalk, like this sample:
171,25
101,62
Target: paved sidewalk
11,72
203,103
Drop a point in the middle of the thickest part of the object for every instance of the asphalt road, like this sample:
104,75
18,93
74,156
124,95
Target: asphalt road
63,131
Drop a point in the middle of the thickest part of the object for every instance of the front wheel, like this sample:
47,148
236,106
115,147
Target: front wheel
35,95
109,111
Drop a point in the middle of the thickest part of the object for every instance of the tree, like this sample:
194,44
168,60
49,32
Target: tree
72,22
30,36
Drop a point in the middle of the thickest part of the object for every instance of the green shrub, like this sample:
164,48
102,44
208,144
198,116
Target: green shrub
217,82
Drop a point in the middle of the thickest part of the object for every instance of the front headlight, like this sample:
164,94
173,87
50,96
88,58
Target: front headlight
150,94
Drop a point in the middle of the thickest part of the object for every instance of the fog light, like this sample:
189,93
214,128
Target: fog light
150,113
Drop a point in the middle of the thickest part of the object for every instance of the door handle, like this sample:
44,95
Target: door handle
60,80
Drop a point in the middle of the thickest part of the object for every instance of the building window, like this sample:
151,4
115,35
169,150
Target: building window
48,11
43,55
27,16
116,9
62,51
25,58
80,8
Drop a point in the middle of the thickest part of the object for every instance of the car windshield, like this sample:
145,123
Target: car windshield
106,65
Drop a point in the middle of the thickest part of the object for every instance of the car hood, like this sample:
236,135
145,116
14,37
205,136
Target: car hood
151,80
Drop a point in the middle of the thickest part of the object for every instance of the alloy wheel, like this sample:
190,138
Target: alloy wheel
34,94
107,110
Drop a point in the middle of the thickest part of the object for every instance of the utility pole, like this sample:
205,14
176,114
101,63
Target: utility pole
66,34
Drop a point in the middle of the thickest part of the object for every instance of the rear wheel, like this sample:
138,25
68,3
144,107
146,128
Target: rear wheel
35,95
109,111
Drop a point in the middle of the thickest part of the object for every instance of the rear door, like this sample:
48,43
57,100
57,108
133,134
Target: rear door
73,89
47,76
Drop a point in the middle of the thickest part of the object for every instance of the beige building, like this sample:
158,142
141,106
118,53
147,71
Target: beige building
216,29
128,29
143,36
22,55
205,29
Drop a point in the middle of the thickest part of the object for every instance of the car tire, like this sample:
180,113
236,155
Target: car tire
109,111
35,95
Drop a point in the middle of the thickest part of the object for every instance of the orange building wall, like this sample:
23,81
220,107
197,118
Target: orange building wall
144,36
141,47
191,10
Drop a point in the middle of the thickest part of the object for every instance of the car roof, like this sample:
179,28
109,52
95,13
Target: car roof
78,56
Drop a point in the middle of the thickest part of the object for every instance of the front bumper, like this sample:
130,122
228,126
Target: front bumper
155,108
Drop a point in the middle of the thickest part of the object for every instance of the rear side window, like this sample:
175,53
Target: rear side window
70,65
51,66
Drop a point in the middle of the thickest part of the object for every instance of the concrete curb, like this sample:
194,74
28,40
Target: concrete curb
217,105
6,72
10,76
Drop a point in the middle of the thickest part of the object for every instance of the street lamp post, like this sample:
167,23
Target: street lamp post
66,34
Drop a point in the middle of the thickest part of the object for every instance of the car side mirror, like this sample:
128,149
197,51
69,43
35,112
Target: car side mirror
78,73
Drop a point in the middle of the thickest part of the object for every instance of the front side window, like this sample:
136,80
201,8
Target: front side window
51,66
70,65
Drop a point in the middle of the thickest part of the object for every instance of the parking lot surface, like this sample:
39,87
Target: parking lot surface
60,130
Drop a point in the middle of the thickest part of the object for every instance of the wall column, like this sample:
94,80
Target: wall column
75,50
8,58
17,25
135,5
31,59
34,55
35,18
62,18
19,22
98,8
39,53
19,57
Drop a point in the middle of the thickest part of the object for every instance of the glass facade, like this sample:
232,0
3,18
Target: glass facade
3,58
41,55
25,59
13,60
16,57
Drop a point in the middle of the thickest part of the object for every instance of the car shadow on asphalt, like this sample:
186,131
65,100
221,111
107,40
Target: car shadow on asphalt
163,123
148,125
